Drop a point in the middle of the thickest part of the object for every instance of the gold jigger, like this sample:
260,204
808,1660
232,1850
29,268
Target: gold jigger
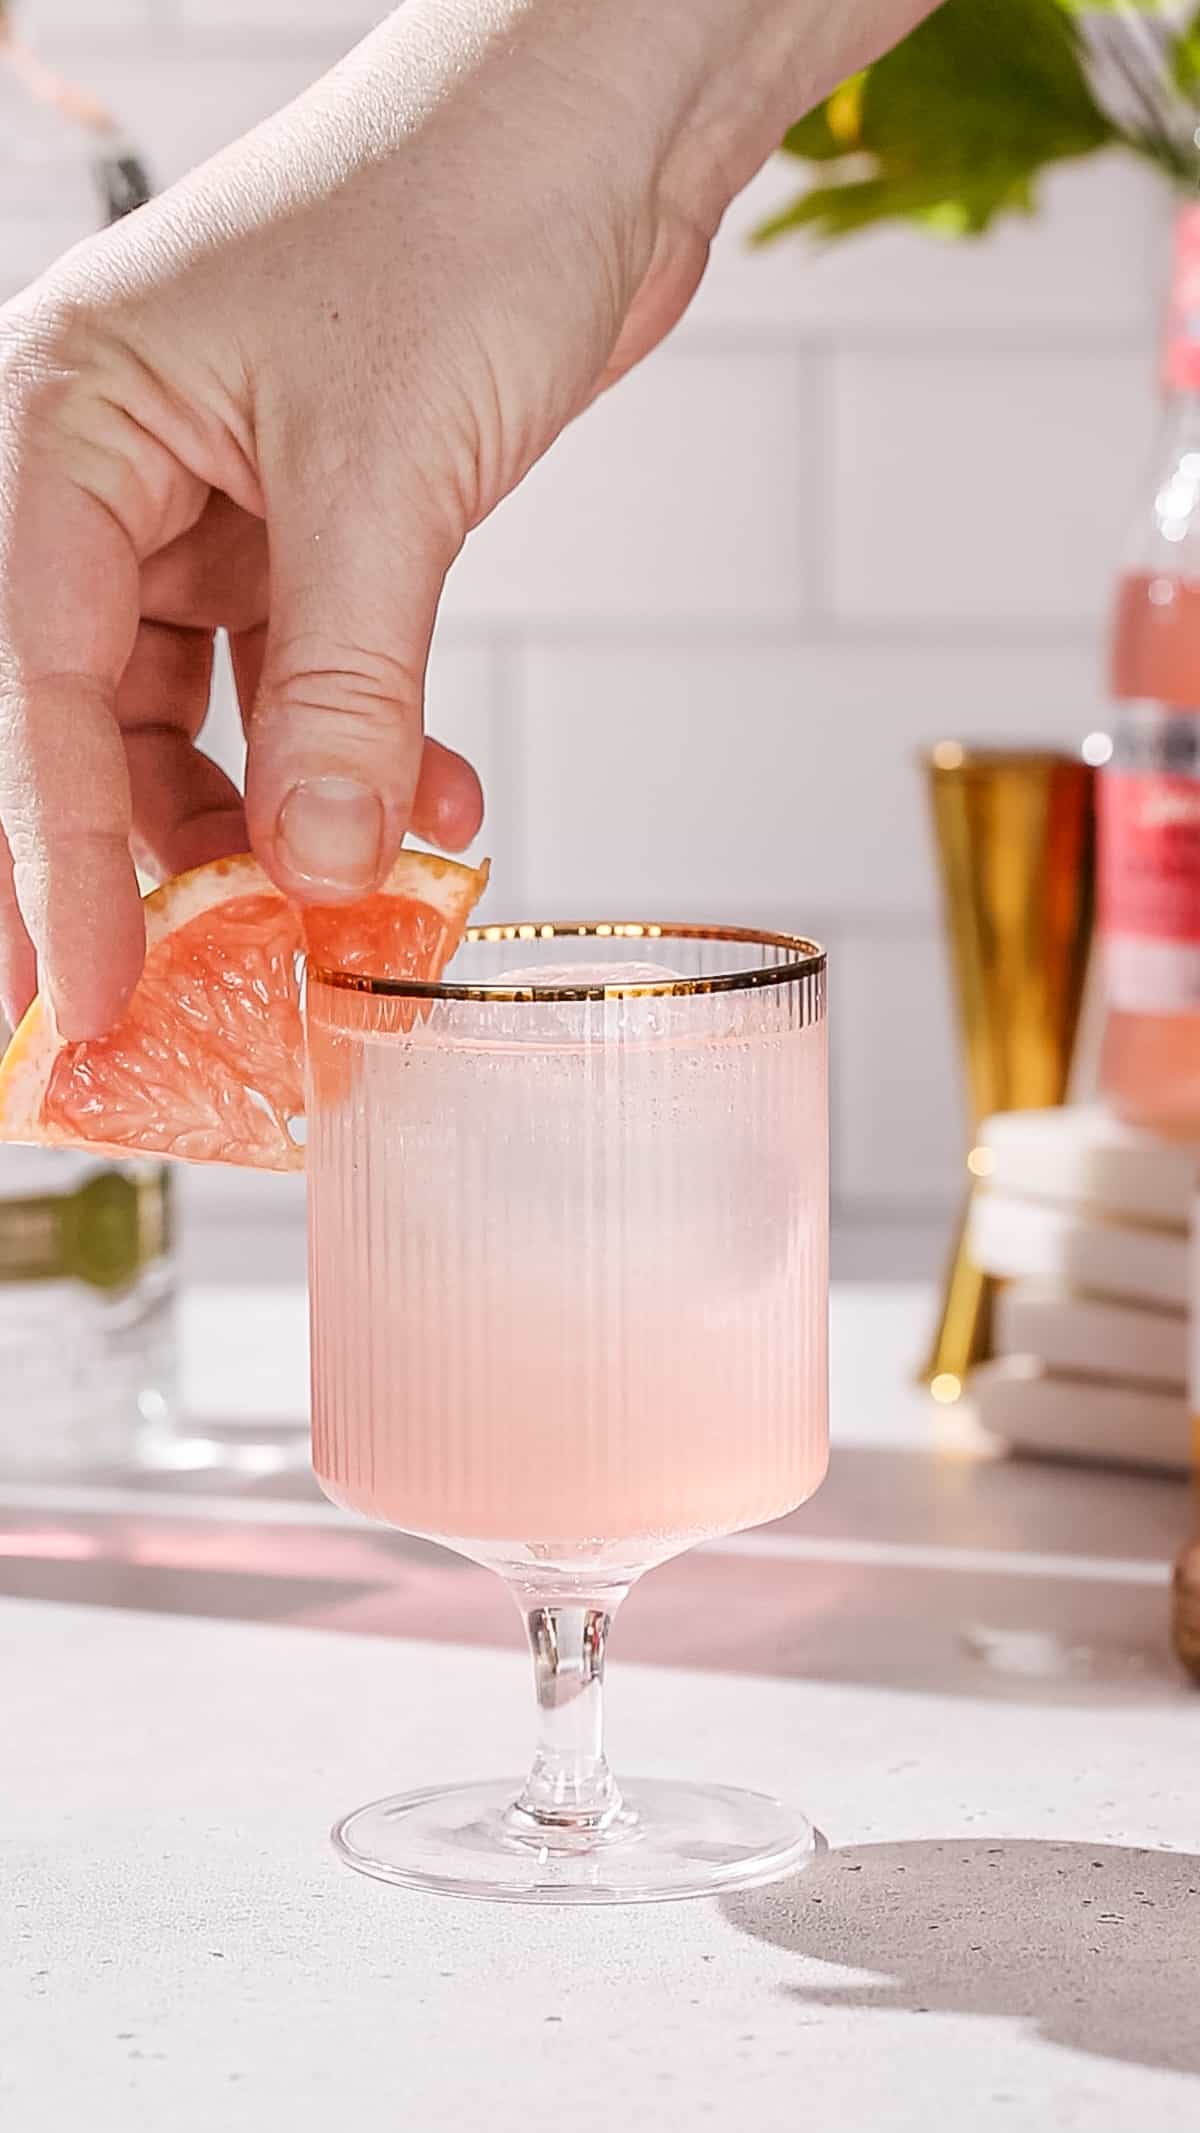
1016,845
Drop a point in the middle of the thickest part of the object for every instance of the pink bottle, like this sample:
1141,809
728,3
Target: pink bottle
1149,866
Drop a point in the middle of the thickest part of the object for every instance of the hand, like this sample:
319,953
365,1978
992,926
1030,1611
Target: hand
277,399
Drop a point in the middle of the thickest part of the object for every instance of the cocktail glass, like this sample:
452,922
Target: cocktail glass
568,1252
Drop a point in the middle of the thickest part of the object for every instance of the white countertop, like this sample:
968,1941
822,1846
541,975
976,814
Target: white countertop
957,1664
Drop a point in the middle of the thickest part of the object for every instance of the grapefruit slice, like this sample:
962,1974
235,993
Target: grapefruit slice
207,1062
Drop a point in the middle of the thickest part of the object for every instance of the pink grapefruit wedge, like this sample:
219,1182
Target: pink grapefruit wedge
207,1062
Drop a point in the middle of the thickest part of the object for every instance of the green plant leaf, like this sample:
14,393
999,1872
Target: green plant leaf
841,210
952,127
1186,60
813,139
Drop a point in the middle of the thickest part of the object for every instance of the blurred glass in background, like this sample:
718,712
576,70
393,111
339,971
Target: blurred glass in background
87,1345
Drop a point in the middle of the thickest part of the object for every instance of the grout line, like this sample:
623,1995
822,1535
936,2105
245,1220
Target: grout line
509,742
816,498
829,935
618,632
853,1218
882,339
166,37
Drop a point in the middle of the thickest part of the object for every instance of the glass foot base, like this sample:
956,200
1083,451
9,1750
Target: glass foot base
670,1840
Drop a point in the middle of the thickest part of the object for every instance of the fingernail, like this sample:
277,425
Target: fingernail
330,833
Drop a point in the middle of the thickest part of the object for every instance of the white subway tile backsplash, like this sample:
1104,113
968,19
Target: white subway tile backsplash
461,703
983,485
680,494
86,21
181,107
462,709
896,1100
733,780
284,18
87,18
1093,258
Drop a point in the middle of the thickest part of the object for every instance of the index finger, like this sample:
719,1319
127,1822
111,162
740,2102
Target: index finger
68,619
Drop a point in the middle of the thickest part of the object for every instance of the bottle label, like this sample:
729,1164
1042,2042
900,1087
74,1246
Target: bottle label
1149,876
104,1234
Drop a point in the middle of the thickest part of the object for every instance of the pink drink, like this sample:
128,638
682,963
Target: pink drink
1155,651
569,1267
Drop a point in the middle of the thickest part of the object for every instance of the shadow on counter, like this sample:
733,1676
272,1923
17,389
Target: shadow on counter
1092,1945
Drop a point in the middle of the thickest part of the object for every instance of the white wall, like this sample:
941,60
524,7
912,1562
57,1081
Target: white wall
863,498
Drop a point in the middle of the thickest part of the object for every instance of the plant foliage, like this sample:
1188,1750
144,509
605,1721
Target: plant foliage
955,126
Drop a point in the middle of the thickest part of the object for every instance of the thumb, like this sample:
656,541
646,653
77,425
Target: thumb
334,745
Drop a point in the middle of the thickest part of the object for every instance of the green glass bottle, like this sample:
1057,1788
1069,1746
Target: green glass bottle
86,1268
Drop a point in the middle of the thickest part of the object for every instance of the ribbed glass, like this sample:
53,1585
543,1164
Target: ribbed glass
569,1253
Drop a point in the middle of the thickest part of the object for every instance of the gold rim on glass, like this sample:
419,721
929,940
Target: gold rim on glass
809,962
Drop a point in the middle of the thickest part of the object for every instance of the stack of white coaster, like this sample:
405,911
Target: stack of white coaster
1087,1223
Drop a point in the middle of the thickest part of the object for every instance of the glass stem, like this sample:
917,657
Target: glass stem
570,1788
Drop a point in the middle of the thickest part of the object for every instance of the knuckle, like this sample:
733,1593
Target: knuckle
44,347
74,401
362,686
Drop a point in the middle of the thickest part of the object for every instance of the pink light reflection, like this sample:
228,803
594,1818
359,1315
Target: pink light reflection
57,1543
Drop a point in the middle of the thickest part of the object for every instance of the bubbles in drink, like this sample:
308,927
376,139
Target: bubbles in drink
573,1099
556,976
573,1261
